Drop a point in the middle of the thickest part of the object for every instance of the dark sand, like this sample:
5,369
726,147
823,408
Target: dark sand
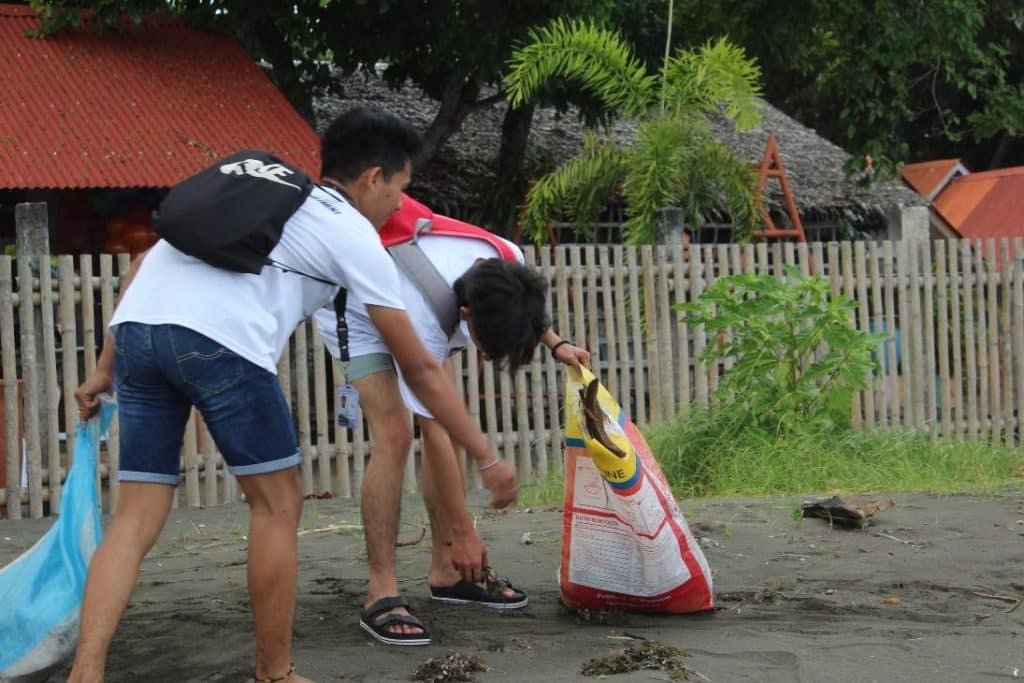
797,600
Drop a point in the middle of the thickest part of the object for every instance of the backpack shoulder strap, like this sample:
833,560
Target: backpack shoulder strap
409,257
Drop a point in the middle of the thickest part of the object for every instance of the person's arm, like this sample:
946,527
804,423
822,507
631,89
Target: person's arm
427,379
564,352
101,381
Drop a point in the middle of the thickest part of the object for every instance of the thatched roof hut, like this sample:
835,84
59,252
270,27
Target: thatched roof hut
457,178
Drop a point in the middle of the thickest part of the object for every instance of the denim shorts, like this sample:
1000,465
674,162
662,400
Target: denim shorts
161,371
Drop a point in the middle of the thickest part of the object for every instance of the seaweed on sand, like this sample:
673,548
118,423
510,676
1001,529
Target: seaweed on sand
649,655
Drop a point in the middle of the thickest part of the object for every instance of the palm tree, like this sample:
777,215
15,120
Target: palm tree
673,160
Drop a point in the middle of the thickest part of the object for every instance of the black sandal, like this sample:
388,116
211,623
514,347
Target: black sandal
269,679
492,594
377,626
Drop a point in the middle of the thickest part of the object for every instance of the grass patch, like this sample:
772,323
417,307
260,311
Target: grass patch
705,454
547,489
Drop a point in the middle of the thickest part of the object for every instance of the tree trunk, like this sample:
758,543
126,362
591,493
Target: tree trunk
286,76
510,184
458,100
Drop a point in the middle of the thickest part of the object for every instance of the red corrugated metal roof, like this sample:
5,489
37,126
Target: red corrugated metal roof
983,205
143,109
926,177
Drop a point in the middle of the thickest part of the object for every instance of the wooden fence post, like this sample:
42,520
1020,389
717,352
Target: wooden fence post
33,245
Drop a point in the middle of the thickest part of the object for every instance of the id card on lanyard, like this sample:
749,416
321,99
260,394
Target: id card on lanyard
346,407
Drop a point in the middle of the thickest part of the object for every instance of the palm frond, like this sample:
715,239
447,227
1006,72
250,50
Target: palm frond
676,162
716,77
579,50
577,189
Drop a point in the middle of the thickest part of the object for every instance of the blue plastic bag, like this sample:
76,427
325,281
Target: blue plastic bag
41,591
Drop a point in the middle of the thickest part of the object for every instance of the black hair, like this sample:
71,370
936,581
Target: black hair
362,138
506,310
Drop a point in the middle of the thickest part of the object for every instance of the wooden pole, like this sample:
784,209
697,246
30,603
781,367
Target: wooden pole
552,378
957,337
650,334
625,357
665,363
12,418
699,335
303,413
848,285
324,449
536,376
682,331
877,386
32,236
113,432
608,305
190,461
867,396
50,444
946,394
970,360
32,374
1005,341
930,371
68,350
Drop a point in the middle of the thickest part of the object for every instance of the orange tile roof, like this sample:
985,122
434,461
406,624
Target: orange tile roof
143,109
983,205
927,176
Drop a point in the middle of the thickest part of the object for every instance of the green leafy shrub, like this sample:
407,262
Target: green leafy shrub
797,356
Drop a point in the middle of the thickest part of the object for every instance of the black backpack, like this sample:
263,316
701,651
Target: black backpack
231,215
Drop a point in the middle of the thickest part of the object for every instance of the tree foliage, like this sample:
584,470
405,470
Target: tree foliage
673,160
899,80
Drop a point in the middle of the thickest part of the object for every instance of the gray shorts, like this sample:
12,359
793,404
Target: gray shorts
370,364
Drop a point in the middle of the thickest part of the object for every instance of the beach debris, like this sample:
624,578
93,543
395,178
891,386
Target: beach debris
1014,601
892,601
600,616
919,546
453,667
649,655
403,544
851,511
343,526
527,538
771,587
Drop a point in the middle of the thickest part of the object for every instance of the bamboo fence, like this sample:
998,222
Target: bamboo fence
953,363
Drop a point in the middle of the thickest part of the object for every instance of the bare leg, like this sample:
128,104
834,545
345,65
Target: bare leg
141,513
439,461
391,436
275,504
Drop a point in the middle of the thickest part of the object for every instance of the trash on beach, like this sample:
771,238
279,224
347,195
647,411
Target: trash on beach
599,616
454,666
852,512
527,538
649,655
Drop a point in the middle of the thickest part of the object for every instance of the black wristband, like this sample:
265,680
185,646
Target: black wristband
564,341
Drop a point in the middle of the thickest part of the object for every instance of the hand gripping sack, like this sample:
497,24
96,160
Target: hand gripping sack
41,591
625,544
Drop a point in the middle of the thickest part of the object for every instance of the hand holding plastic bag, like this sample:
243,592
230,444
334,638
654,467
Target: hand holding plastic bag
41,591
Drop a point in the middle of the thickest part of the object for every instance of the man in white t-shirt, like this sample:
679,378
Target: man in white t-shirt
502,307
188,334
